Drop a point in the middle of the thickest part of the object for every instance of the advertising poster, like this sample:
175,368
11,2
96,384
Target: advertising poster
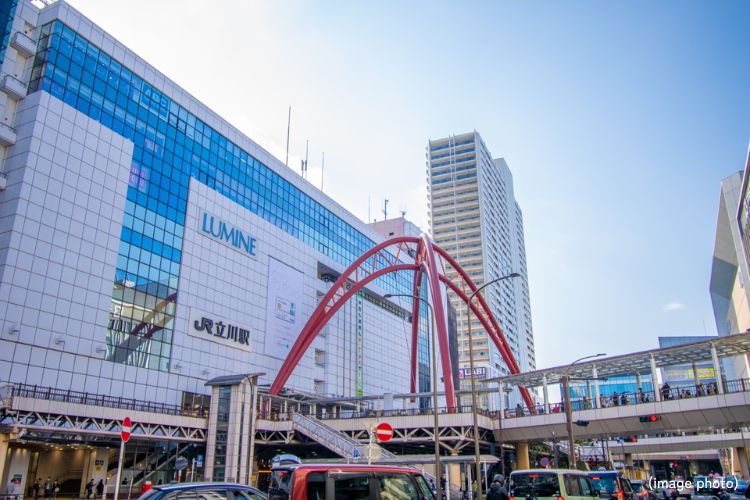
283,321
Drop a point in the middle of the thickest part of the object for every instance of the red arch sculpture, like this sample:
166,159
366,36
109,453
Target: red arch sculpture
428,260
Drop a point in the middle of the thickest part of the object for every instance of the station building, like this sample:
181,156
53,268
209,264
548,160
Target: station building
148,247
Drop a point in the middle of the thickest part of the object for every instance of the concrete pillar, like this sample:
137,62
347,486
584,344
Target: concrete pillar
597,396
545,393
208,468
717,370
522,455
695,377
655,379
454,473
17,466
4,440
629,465
638,381
742,456
502,400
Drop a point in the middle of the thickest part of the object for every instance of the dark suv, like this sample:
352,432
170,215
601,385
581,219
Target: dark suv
202,491
612,485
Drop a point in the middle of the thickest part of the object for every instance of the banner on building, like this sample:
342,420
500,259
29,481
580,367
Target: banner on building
681,374
283,321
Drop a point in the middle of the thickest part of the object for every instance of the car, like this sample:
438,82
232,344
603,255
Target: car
612,484
295,481
741,487
203,491
642,490
552,484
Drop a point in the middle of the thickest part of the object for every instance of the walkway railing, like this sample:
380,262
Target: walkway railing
666,393
367,413
85,398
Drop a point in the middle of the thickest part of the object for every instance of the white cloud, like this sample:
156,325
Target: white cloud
673,306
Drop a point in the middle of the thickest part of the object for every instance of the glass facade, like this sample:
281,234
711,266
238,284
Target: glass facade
7,10
172,145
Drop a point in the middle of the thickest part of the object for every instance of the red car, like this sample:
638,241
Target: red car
353,482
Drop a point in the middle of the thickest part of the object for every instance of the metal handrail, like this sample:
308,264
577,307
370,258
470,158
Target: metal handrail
78,397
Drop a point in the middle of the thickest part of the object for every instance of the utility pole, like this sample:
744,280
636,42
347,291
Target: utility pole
385,209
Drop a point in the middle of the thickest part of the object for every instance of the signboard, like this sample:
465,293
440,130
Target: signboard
544,461
384,432
360,351
355,455
217,329
283,321
225,233
685,374
125,429
181,463
479,372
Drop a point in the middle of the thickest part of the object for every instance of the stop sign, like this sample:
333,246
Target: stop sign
125,429
384,432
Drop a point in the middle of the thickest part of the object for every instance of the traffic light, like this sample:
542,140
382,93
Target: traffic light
630,439
581,423
649,419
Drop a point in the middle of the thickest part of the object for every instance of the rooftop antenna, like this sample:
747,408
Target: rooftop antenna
288,126
403,214
322,170
304,162
385,209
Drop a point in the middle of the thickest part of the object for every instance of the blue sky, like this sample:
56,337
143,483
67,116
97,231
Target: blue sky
618,120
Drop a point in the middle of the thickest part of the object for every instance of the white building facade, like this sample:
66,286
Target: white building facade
474,216
147,246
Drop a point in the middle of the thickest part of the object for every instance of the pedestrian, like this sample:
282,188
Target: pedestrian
48,487
37,486
519,410
55,489
586,405
100,488
641,396
624,399
602,401
665,391
615,399
497,489
90,488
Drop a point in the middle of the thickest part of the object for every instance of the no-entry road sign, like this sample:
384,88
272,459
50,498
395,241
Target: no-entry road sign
384,432
127,427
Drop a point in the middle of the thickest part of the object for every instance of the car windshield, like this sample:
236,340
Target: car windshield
541,484
604,484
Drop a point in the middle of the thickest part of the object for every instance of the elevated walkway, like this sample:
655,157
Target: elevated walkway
695,414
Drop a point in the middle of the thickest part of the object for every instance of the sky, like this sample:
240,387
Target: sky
618,120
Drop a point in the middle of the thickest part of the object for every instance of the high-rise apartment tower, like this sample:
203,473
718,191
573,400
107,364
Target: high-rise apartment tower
474,216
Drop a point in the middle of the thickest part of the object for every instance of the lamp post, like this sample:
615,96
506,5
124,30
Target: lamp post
473,383
436,425
569,409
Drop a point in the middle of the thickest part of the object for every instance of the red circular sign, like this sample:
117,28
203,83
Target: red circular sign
125,429
384,432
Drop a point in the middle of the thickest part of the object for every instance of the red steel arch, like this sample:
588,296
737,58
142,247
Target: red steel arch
430,261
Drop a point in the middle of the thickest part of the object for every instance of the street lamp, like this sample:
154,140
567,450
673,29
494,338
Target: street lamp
569,409
473,383
436,427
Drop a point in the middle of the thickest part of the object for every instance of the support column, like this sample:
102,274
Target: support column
717,370
654,379
742,455
546,393
502,400
4,440
522,455
454,474
638,382
628,459
597,396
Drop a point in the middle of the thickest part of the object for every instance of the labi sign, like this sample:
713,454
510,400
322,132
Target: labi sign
225,233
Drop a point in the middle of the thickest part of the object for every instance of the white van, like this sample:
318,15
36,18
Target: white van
555,484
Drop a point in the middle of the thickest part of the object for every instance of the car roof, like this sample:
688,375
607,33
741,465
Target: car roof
547,471
189,486
356,467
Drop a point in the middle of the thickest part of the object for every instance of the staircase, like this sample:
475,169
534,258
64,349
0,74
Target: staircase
345,446
329,437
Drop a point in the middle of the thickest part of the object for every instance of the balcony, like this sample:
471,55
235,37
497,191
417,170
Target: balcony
23,44
7,135
14,87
